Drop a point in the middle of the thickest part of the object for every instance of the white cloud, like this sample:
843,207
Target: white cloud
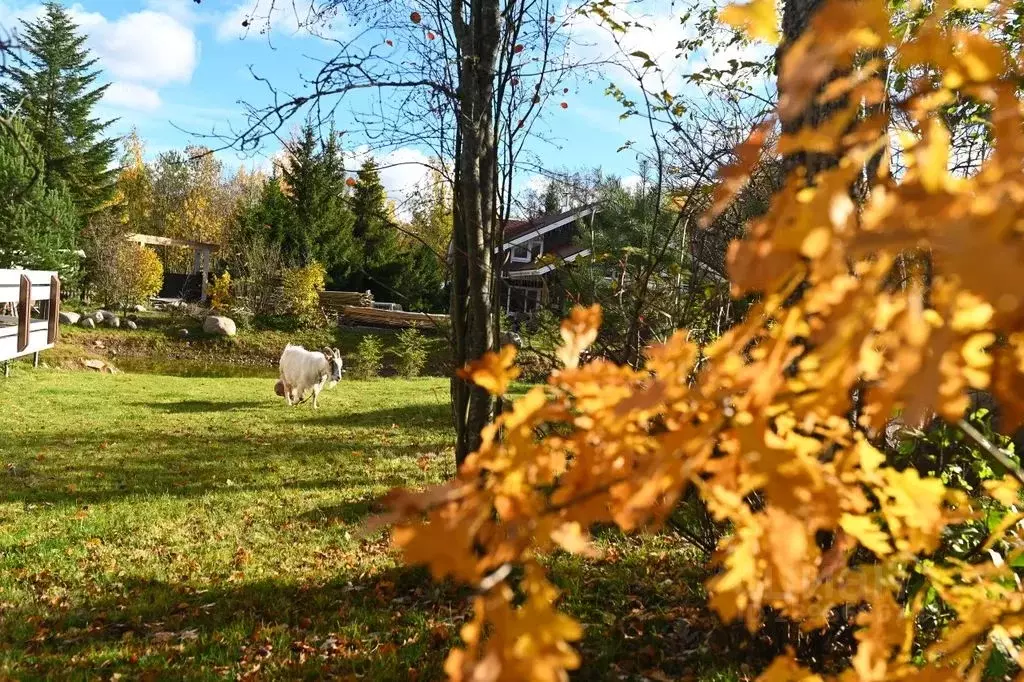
131,96
142,47
183,10
138,52
12,16
538,183
403,172
298,19
631,182
657,33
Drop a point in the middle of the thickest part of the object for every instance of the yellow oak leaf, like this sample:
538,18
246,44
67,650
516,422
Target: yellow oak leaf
757,18
571,538
578,331
867,533
492,372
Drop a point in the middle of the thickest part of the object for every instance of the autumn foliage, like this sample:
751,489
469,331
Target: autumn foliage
786,407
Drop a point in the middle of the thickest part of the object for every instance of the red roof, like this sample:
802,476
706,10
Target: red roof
515,228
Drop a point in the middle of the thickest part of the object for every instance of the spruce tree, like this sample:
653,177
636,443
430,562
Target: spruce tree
376,257
321,227
270,219
38,221
54,91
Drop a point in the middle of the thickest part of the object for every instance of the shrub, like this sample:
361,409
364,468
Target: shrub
411,353
129,274
302,287
368,358
220,294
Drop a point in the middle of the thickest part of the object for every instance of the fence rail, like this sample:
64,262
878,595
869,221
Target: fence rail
20,333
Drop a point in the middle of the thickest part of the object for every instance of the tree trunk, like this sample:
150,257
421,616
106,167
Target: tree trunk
475,218
796,15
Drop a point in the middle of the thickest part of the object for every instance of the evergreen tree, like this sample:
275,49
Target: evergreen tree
270,219
552,199
38,219
375,261
420,279
54,91
321,226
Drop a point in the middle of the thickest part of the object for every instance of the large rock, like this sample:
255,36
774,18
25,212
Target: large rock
88,322
511,338
219,325
114,322
138,308
69,318
183,333
105,316
130,324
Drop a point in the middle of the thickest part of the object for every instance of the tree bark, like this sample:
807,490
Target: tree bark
475,217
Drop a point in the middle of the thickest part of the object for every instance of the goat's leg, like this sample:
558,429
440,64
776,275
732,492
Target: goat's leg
316,394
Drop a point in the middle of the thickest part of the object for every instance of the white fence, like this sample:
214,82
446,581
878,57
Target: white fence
20,332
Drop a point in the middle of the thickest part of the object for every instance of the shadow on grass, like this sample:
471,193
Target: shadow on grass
426,415
129,464
201,406
347,513
640,615
380,625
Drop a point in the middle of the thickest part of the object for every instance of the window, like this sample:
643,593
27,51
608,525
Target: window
526,253
520,254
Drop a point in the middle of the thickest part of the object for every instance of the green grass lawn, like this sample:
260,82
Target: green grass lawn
156,527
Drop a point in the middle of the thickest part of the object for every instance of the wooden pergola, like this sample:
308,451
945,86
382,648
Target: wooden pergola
202,253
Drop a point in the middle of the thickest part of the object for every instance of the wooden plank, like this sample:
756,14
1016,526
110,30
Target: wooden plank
24,312
335,300
36,343
392,318
53,311
154,240
13,277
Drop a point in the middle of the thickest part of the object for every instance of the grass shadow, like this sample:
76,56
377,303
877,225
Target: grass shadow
351,512
357,623
426,415
202,406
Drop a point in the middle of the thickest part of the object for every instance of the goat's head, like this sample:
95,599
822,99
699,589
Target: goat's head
333,356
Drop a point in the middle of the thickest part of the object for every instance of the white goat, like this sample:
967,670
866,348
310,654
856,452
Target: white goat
303,370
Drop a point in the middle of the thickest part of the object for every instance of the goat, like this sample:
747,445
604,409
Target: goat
303,370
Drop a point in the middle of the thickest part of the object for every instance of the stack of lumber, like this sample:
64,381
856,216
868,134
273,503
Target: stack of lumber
334,301
372,317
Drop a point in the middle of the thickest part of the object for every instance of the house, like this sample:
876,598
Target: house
532,252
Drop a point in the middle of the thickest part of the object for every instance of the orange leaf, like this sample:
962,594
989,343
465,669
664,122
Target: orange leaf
578,332
492,372
757,18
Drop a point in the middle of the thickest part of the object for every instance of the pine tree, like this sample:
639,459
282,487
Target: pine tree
376,257
321,228
39,221
270,219
552,199
54,91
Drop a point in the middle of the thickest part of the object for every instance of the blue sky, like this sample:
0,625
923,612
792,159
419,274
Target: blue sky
175,66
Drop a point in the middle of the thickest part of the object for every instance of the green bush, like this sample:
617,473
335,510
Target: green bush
368,358
411,353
